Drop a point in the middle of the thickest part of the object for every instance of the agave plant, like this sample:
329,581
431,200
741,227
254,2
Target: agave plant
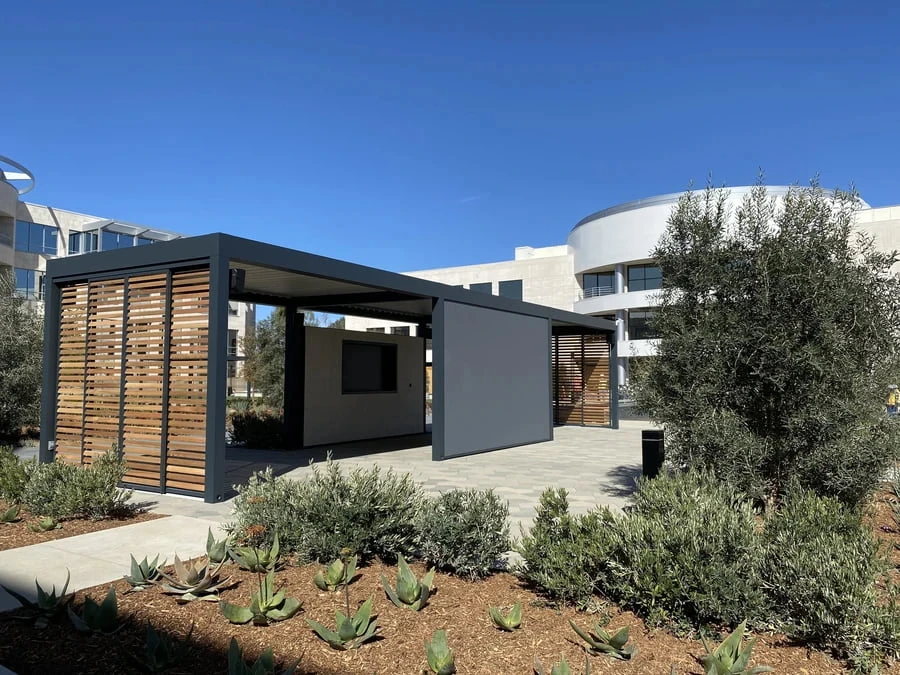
44,525
410,592
602,642
10,515
256,558
511,621
97,618
143,573
47,605
161,651
264,665
337,574
560,667
197,580
265,605
350,632
728,658
216,549
439,655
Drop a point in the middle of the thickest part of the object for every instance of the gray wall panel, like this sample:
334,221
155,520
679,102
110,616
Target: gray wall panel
496,382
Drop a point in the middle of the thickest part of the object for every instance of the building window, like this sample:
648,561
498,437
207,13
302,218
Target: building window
511,289
143,241
232,342
644,277
482,288
368,367
114,240
35,238
640,325
232,369
376,329
30,284
400,330
82,242
598,283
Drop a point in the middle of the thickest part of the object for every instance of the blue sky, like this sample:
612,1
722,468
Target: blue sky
421,134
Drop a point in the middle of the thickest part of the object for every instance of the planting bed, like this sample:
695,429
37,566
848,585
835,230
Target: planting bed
14,535
458,606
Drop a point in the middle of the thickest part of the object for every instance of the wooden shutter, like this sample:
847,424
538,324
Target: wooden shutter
580,380
71,375
189,351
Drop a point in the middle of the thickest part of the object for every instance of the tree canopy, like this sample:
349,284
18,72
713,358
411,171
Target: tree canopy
778,326
21,359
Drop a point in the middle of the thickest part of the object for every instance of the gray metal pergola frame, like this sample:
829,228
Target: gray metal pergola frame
381,294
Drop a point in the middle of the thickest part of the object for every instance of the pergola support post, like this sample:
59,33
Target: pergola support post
217,381
613,383
294,377
52,309
438,326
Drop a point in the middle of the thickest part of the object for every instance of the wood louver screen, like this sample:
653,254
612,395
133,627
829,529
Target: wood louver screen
144,378
133,373
580,380
188,355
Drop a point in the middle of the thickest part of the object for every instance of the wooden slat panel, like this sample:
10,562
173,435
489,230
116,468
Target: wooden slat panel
70,384
580,380
186,438
144,366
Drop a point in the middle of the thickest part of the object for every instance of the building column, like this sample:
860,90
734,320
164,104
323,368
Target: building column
620,361
52,309
294,377
217,382
620,278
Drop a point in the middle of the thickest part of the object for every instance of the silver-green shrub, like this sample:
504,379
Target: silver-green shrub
465,532
13,475
61,490
822,568
370,512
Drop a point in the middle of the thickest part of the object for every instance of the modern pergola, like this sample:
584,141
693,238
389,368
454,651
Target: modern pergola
135,355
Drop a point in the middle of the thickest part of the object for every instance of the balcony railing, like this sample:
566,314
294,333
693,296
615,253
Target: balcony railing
596,292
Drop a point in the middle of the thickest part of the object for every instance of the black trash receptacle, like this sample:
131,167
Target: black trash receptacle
652,452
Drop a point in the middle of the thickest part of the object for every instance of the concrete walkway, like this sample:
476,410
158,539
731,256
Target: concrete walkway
99,557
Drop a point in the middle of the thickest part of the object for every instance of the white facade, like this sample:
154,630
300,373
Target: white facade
32,234
606,269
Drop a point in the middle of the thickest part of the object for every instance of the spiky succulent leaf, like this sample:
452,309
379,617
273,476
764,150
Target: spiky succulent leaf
326,634
216,549
728,658
337,574
604,643
511,621
288,609
235,613
143,573
440,656
10,515
257,559
44,525
410,592
99,618
161,651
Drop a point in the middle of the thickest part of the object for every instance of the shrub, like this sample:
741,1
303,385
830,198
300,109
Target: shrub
464,532
12,475
263,428
563,555
821,569
21,359
61,490
366,511
689,553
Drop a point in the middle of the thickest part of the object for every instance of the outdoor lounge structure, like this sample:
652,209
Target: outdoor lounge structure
135,356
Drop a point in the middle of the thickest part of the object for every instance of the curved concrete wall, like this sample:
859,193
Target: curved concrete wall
9,199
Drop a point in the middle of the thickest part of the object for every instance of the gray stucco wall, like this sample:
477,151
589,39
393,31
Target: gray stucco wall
333,417
496,380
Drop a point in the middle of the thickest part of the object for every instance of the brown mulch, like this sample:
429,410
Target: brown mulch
14,535
458,606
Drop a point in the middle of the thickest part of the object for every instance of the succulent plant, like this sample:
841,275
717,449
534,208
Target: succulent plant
47,605
161,651
97,618
197,580
410,592
602,642
560,667
264,665
439,655
256,558
10,515
511,621
728,658
44,525
265,605
337,574
216,549
143,573
350,632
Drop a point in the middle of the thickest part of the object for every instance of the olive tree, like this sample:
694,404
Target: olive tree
22,329
778,328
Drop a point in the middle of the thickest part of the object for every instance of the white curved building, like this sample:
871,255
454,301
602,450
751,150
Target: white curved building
606,269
